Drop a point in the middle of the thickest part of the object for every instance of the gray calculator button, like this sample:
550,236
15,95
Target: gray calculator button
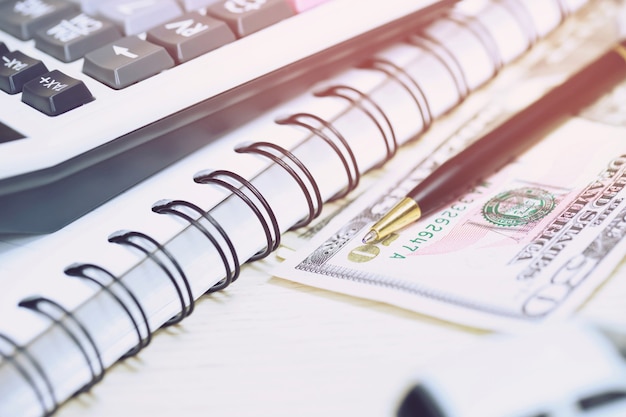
191,35
71,38
55,93
135,17
126,61
16,69
248,16
22,18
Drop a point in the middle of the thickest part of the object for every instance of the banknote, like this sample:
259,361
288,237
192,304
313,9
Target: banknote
527,245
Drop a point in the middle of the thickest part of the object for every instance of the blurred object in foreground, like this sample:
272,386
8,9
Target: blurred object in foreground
564,370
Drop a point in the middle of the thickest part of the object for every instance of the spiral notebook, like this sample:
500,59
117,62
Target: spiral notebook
272,175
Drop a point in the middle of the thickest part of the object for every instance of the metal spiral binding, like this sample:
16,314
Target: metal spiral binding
352,168
221,177
57,314
402,77
344,91
125,237
480,31
523,16
48,410
176,207
440,52
81,271
265,149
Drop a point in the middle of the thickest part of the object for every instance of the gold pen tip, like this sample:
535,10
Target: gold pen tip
370,237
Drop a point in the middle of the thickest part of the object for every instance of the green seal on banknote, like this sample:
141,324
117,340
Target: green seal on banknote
518,207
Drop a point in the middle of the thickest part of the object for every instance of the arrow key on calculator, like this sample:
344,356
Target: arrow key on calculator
126,61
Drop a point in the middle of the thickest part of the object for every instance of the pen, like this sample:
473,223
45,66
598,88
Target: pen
503,143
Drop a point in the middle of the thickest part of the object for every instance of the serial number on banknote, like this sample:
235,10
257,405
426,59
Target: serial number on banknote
439,225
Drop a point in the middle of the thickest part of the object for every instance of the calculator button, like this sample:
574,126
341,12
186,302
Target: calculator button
3,48
190,36
22,18
88,6
71,38
126,61
137,16
190,5
16,69
248,16
54,93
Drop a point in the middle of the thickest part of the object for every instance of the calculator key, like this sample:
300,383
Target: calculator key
54,93
126,61
190,36
71,38
137,16
16,69
190,5
22,18
3,49
248,16
88,6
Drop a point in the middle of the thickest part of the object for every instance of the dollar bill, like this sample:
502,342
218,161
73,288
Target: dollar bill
527,245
